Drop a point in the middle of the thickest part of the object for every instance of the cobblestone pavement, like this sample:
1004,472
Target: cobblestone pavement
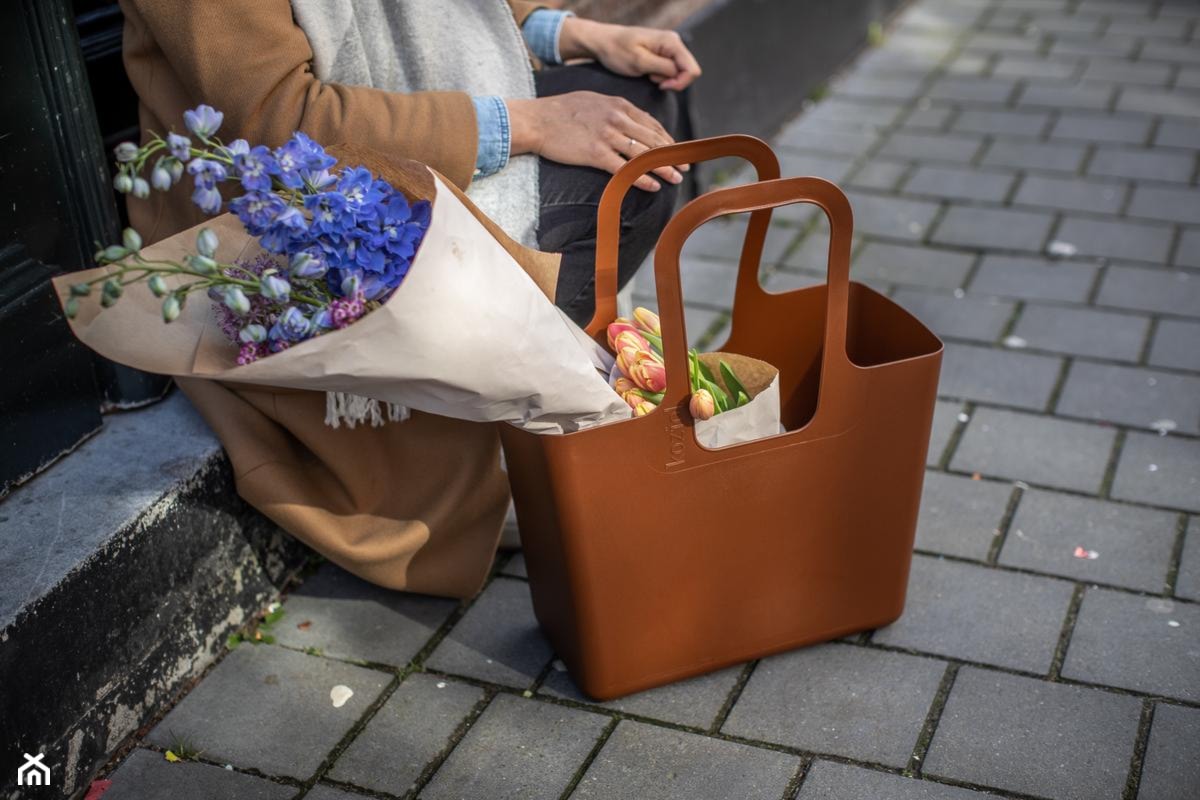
1023,175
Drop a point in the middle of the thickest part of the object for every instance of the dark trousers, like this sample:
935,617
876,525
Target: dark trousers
570,195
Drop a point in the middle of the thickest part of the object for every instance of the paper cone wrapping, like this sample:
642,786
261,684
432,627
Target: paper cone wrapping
468,334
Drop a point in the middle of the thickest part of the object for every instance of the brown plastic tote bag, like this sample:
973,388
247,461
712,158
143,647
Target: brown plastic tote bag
652,558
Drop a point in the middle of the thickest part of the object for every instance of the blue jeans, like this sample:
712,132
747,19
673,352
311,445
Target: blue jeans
570,195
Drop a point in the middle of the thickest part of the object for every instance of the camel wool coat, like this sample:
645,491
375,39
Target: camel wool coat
417,505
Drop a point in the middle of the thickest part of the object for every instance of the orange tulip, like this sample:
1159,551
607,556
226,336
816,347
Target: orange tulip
648,372
630,338
615,328
643,408
647,320
623,386
702,405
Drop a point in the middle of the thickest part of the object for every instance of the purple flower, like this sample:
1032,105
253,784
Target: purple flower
203,120
180,146
256,168
308,263
207,198
238,147
160,177
207,172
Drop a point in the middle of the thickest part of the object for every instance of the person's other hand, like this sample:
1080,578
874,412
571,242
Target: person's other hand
588,129
632,51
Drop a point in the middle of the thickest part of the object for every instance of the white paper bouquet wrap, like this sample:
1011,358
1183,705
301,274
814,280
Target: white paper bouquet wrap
468,334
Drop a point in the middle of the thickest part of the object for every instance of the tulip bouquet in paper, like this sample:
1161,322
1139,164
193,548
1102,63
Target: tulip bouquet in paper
388,292
639,376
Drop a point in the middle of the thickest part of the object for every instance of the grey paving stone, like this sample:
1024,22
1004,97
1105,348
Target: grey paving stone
839,699
945,420
1127,640
1039,450
1035,737
829,780
843,142
1165,203
1083,331
1187,582
404,737
819,165
1127,72
1141,26
1171,768
1049,95
813,251
1003,123
517,750
848,109
1131,395
969,64
1107,46
1033,279
1176,344
889,87
1113,238
708,283
880,174
320,792
891,217
722,239
998,376
515,566
1143,164
934,117
1134,544
1159,101
1159,470
343,616
1187,254
1027,66
926,146
1188,78
1178,133
693,702
956,182
145,774
237,713
1167,291
913,265
786,280
999,228
967,317
1072,194
1075,25
980,614
497,640
971,90
1102,128
960,516
647,761
1028,154
1004,43
1171,51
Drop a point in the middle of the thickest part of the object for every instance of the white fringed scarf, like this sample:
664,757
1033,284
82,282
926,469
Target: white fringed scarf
472,46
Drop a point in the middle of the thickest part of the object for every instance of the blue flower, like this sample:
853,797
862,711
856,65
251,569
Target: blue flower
293,325
287,227
301,156
203,121
257,210
160,177
274,287
206,172
207,198
309,263
330,212
256,168
238,147
360,189
180,146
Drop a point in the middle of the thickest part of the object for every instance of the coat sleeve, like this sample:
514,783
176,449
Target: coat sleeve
251,61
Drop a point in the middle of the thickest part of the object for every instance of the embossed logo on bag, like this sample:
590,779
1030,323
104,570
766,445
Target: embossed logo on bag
675,434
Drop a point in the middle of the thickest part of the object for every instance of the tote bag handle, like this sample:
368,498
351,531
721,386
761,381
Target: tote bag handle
756,198
608,217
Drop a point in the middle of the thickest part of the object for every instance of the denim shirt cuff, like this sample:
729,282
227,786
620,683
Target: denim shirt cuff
495,137
541,31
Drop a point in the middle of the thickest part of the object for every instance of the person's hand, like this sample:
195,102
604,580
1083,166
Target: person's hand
588,129
632,51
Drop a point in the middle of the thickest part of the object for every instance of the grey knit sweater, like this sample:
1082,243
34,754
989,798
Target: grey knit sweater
472,46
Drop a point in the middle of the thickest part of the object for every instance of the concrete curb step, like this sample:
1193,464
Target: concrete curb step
125,566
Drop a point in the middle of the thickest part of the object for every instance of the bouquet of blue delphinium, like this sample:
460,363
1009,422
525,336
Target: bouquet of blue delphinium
340,241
